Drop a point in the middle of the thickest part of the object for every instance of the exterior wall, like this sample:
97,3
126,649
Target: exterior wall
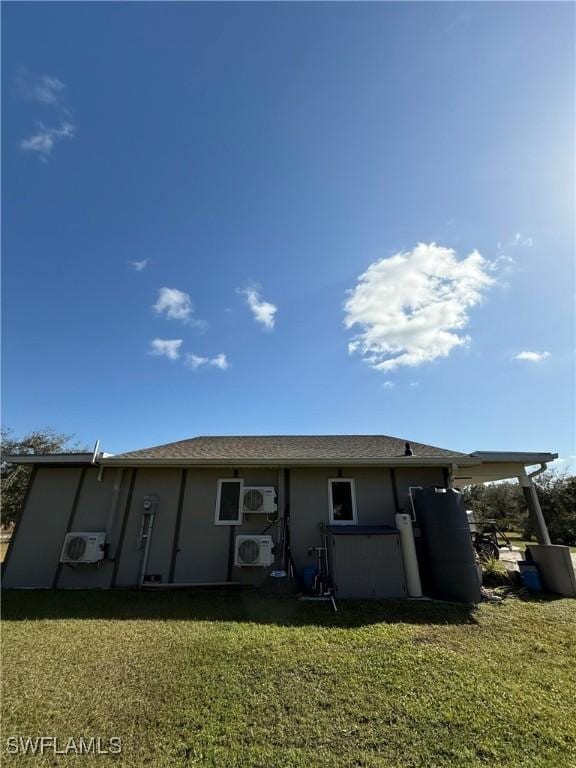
309,504
205,552
165,484
60,499
416,476
186,545
91,515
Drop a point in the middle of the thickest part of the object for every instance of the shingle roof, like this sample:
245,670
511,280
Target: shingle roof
287,447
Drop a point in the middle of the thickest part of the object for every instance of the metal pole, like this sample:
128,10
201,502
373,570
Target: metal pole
533,504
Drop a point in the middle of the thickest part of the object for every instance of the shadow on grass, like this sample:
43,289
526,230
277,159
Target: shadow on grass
224,606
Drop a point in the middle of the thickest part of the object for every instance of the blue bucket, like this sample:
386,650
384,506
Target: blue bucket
530,576
308,576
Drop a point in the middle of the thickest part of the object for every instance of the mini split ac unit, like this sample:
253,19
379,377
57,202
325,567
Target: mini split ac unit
254,550
261,500
83,548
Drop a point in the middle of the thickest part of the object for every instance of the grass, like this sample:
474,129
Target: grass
517,541
244,680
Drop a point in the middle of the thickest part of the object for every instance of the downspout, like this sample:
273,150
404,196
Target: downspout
533,503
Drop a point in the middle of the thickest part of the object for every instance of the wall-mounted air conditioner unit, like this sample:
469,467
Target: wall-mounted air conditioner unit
83,548
259,500
254,550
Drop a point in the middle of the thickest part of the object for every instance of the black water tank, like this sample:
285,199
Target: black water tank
453,573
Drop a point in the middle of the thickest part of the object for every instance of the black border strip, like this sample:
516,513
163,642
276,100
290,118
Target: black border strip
27,492
70,521
118,552
175,549
231,541
395,490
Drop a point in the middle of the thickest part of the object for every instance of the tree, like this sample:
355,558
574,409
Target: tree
15,477
504,502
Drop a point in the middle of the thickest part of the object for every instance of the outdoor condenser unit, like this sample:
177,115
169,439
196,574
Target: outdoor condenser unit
259,500
254,550
83,548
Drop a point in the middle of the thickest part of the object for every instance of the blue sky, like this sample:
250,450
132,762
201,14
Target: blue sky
254,161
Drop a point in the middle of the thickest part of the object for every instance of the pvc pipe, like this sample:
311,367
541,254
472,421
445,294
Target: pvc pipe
411,570
533,503
148,536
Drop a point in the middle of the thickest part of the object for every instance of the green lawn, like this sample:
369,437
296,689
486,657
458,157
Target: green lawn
517,541
238,679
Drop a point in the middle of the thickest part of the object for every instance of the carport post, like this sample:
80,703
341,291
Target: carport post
534,508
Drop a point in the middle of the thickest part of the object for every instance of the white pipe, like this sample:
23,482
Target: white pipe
95,452
147,536
411,570
542,534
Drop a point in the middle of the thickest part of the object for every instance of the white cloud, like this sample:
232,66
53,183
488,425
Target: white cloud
195,361
44,89
169,348
176,305
43,141
264,312
519,240
408,307
138,266
414,383
532,357
388,385
220,361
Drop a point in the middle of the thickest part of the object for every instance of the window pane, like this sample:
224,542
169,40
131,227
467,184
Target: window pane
342,501
230,501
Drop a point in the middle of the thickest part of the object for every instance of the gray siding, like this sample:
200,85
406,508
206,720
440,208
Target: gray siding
309,504
204,549
35,551
165,484
91,515
201,550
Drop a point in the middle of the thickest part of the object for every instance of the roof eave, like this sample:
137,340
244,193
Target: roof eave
443,461
50,458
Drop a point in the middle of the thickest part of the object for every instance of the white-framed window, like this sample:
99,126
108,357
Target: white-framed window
229,501
342,501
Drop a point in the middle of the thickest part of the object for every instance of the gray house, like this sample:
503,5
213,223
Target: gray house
222,510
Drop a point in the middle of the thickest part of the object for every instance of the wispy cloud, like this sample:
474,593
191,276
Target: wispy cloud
518,240
411,307
48,91
531,357
264,312
44,89
43,141
176,305
195,361
388,385
169,348
138,266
